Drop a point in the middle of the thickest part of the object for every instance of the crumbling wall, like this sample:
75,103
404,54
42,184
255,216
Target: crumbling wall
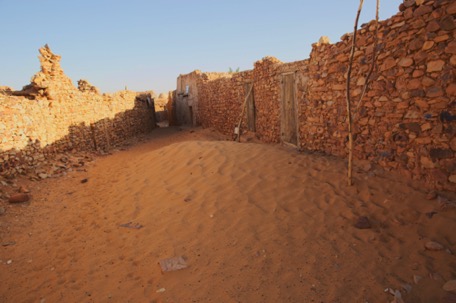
52,116
406,120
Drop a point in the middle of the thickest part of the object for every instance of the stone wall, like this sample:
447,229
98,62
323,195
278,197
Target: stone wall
52,116
221,99
403,123
406,121
187,100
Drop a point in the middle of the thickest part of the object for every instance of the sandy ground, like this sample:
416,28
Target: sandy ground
254,223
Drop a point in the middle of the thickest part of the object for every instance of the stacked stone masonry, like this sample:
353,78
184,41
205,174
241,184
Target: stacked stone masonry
407,119
51,116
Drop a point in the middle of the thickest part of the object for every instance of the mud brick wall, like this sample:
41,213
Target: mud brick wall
52,116
406,122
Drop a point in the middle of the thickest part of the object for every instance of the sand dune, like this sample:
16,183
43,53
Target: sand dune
255,223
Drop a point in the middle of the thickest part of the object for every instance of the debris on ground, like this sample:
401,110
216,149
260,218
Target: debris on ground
19,198
433,246
363,223
450,285
173,264
8,243
431,195
132,225
431,214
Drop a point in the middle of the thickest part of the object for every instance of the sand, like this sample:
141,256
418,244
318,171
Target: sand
253,222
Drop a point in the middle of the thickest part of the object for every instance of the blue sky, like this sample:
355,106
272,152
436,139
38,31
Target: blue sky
145,45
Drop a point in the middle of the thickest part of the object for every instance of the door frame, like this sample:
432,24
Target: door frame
248,84
295,86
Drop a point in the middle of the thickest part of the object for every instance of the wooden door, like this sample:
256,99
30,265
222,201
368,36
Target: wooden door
289,129
250,107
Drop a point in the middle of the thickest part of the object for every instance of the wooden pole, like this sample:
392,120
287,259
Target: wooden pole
238,135
349,115
374,60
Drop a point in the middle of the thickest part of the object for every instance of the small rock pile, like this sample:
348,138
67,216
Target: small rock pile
85,86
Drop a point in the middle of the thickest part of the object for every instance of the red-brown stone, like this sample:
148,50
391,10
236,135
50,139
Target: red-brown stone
427,81
417,73
420,57
422,104
451,10
435,66
422,10
414,84
19,198
432,26
428,44
451,48
453,60
416,44
408,13
447,23
453,144
451,90
389,63
434,91
405,62
409,3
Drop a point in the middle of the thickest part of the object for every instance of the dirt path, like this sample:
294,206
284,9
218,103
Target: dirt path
254,223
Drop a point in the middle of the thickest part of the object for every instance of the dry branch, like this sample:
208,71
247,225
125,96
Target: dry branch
374,60
349,115
238,135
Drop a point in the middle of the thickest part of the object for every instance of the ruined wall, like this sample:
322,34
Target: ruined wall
405,122
51,116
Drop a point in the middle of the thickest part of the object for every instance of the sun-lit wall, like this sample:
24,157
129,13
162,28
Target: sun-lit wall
52,115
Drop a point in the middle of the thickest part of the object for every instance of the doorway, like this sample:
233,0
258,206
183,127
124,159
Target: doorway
288,124
248,89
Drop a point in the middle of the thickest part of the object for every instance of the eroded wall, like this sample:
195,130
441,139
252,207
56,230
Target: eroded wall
52,116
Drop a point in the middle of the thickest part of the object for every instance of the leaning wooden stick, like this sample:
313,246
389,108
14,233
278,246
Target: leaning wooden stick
238,135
